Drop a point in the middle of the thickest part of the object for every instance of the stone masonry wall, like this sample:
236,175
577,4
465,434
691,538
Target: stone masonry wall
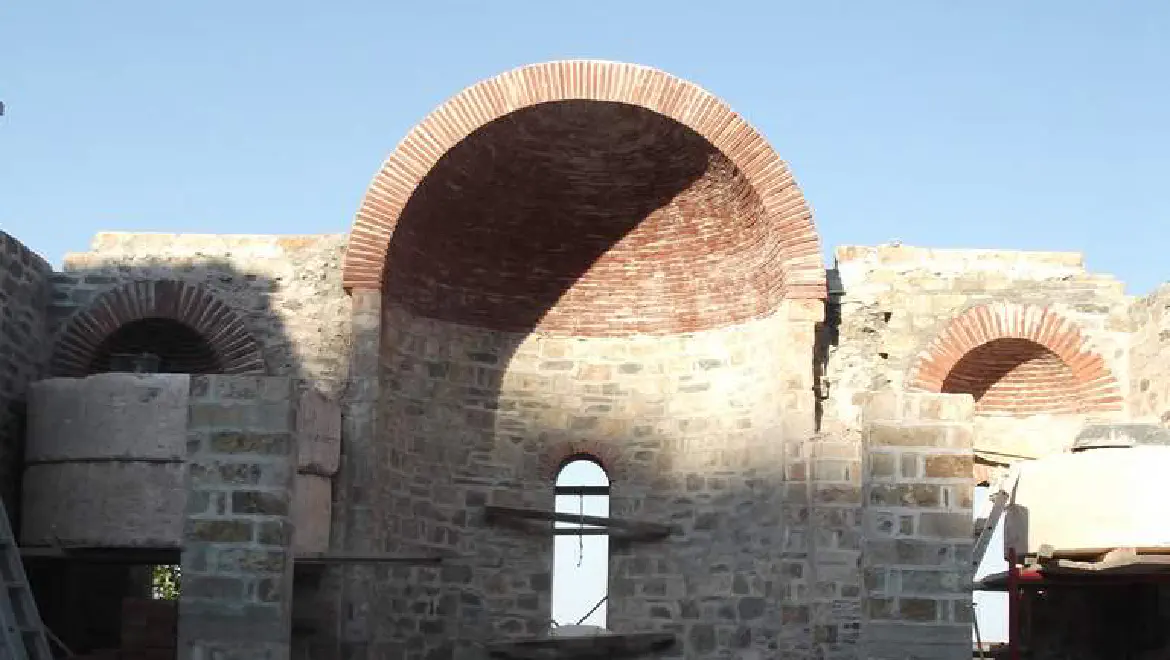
894,301
1150,357
918,526
692,429
287,288
236,601
24,282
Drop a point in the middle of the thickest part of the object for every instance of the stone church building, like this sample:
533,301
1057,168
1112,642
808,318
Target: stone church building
350,442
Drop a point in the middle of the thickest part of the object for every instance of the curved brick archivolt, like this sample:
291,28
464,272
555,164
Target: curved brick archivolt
197,331
1017,360
645,188
560,454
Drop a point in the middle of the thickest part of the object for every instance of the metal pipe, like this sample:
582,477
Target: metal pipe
1014,594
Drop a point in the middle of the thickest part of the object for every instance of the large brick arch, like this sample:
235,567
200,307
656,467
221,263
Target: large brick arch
785,210
192,306
1017,360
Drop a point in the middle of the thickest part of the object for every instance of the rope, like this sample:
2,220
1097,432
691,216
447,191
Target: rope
581,527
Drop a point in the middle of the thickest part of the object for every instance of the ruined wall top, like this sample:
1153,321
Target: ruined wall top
1017,263
286,289
146,245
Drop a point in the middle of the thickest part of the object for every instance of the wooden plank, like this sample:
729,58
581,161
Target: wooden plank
586,646
632,528
368,558
103,555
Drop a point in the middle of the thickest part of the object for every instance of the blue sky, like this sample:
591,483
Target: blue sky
1037,125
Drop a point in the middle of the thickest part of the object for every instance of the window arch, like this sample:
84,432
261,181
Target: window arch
581,552
181,325
155,345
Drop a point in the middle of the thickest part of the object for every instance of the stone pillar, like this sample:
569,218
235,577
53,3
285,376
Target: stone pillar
918,526
236,594
835,468
361,488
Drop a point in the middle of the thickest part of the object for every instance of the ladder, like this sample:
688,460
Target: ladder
20,624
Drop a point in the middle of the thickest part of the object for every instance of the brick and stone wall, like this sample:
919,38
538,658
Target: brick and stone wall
694,431
237,565
286,289
918,526
24,295
1031,329
1150,357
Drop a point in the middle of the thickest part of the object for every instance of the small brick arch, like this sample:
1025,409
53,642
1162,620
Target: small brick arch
236,350
560,454
1019,360
785,209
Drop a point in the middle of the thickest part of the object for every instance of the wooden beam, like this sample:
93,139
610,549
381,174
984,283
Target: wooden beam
581,490
103,555
628,528
609,645
368,558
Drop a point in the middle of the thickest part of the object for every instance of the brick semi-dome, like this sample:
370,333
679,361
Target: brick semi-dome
586,198
191,329
1017,360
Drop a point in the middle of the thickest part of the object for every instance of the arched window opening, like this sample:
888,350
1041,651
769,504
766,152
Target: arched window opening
581,552
155,345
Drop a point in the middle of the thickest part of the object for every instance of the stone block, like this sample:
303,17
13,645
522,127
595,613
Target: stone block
836,494
883,465
86,504
250,560
881,406
217,587
931,582
268,503
946,407
107,416
940,436
938,525
909,466
909,552
219,531
918,609
274,532
905,495
251,442
949,466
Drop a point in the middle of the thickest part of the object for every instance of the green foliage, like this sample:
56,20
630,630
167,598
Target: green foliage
164,583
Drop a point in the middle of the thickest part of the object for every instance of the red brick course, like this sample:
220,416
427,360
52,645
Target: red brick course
670,178
1017,360
80,343
560,454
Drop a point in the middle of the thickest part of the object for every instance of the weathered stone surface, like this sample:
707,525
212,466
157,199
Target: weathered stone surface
918,523
25,283
88,504
237,563
290,287
825,512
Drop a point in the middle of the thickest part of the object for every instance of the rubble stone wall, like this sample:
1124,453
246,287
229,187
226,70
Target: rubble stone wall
894,303
286,288
24,293
1150,356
